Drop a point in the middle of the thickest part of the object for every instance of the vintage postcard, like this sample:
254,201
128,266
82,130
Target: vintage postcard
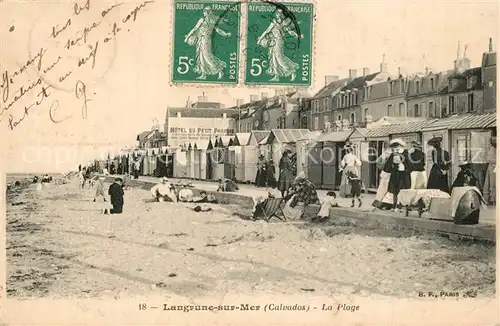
227,162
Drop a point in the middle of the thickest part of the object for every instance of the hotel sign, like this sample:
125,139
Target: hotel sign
183,130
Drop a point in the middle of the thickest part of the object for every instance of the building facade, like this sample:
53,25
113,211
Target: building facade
489,79
423,94
198,122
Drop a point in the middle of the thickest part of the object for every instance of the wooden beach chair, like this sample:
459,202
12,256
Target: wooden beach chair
269,208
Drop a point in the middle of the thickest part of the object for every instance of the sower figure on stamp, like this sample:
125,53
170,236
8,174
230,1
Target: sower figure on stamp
273,39
201,37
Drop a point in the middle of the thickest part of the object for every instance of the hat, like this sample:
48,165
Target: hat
416,144
397,142
164,179
464,163
435,140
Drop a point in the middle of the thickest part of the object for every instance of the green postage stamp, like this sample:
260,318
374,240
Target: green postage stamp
279,43
206,42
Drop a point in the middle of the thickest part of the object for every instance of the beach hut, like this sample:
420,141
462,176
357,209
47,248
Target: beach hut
281,139
179,160
240,140
196,162
328,158
251,154
303,148
200,159
217,158
190,161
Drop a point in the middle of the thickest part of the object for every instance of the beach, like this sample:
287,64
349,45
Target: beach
60,245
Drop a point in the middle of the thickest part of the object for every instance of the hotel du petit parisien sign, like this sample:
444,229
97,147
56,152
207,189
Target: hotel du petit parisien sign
183,130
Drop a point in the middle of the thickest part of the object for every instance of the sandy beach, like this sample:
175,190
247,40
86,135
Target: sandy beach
59,245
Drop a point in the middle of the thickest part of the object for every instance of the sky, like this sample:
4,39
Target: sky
129,84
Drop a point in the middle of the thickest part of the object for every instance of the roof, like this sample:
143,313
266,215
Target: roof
461,81
287,135
206,105
312,135
489,59
443,123
359,82
473,121
264,140
330,88
200,112
260,134
335,136
225,140
202,144
359,133
143,135
241,138
397,129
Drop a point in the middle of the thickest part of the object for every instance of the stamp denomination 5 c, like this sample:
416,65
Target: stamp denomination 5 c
279,43
206,43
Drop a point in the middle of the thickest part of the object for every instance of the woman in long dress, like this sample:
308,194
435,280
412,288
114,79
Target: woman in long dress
273,39
438,177
382,197
301,193
399,166
201,37
489,189
286,172
349,163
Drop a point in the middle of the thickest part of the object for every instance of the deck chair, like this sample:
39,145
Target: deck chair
269,209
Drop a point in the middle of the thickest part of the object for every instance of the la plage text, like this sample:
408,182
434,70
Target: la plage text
267,308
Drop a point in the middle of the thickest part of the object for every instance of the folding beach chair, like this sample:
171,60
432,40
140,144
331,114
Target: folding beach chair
269,208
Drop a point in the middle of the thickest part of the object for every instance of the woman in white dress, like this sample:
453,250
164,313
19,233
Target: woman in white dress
383,198
273,39
350,162
201,37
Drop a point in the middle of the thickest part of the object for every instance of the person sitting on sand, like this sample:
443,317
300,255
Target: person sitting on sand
99,190
185,194
164,191
227,185
329,201
116,195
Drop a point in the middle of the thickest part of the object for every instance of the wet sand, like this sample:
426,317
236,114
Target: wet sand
59,245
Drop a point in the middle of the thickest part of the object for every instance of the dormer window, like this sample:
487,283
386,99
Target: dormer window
417,86
450,85
469,82
432,84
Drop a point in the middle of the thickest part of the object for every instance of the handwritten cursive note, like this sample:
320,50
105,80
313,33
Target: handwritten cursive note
74,47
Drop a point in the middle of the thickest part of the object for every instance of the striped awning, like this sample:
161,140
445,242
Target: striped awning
476,121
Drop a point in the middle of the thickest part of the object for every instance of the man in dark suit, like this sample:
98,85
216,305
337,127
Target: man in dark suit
116,195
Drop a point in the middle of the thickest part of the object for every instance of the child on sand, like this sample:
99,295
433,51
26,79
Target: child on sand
355,183
329,201
99,191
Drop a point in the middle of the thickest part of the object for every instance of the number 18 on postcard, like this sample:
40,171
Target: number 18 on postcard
206,42
279,43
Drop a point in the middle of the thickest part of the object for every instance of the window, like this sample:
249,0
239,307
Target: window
450,86
402,86
338,102
463,147
326,103
401,109
348,100
432,84
391,88
416,110
389,110
316,123
367,113
366,93
431,110
451,104
417,86
353,118
469,82
355,96
490,83
470,102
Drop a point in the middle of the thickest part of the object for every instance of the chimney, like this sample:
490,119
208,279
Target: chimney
179,114
330,78
426,71
239,102
254,97
263,96
490,48
353,73
224,115
366,71
383,64
399,72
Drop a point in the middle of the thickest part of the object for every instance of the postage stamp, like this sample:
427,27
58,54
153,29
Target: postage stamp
205,44
279,43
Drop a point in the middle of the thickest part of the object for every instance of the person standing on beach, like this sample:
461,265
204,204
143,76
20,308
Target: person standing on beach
116,196
99,191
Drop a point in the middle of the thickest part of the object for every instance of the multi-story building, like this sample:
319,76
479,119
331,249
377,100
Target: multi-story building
305,113
198,122
489,79
423,93
321,102
385,95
